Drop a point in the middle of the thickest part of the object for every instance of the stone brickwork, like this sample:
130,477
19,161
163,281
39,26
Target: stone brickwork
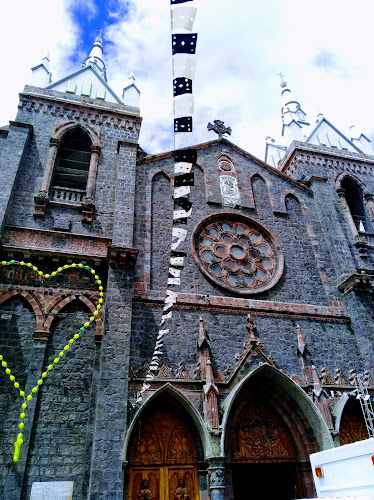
305,334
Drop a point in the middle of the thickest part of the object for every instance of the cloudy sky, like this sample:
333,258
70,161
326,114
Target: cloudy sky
324,48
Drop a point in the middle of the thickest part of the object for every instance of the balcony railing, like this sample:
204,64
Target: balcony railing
67,195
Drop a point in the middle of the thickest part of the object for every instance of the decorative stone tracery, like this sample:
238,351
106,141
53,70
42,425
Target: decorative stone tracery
237,253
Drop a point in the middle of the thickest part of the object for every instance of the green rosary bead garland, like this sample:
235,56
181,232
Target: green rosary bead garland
87,324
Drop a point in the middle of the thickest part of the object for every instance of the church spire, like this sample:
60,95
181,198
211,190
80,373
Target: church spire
291,109
96,58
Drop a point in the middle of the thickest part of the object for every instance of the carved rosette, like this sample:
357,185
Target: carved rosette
237,253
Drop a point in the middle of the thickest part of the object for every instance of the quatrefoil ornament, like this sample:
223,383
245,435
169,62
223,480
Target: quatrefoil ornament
60,356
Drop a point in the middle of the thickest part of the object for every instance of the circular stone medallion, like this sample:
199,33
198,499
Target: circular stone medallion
237,253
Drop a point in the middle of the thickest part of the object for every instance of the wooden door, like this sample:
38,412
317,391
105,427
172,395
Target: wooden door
163,456
164,483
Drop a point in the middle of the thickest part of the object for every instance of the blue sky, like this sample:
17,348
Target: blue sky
323,47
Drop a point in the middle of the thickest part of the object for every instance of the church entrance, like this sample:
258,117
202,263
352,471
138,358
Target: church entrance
163,454
267,445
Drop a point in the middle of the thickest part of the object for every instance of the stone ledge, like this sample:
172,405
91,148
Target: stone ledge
335,311
357,282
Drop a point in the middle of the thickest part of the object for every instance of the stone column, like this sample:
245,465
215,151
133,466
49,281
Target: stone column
352,225
54,144
216,475
91,181
368,197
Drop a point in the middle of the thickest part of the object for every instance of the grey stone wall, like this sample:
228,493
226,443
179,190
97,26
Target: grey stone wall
17,324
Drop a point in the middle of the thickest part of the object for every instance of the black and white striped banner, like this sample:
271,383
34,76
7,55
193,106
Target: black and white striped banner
184,66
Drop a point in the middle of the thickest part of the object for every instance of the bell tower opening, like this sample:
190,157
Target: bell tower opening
268,442
163,453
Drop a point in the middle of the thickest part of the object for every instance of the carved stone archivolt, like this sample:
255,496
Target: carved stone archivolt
237,253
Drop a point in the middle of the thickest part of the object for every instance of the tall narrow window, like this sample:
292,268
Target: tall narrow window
355,202
71,168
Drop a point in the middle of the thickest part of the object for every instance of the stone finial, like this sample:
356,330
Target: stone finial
219,128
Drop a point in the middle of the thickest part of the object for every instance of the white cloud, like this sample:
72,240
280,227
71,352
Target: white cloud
323,48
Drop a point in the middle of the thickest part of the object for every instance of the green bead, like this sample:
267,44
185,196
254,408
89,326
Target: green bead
87,267
12,262
81,328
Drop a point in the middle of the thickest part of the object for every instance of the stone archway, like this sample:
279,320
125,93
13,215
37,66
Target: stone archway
268,442
164,451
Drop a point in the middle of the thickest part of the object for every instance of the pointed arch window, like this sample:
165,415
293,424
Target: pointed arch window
72,161
355,202
70,173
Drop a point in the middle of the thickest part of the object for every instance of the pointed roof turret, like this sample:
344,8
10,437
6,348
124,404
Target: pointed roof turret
291,109
96,58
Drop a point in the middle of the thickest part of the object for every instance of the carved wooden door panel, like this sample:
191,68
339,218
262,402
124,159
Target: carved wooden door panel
181,483
164,483
162,458
146,483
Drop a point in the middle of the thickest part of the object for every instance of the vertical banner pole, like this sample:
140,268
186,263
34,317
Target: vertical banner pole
182,18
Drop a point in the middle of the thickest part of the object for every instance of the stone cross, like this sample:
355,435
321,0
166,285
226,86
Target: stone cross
219,128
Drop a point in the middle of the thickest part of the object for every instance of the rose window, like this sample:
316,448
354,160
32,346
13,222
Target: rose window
238,253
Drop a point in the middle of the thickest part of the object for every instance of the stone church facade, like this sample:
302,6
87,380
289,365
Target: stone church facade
273,321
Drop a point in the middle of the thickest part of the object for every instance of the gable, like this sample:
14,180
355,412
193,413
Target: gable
87,83
325,134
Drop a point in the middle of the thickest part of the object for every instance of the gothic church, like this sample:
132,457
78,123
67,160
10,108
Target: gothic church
272,329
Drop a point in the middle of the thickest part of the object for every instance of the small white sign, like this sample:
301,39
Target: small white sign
53,490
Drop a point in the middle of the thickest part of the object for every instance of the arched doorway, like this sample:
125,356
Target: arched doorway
268,442
164,452
352,424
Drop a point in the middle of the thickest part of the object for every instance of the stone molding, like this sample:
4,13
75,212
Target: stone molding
78,112
335,311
